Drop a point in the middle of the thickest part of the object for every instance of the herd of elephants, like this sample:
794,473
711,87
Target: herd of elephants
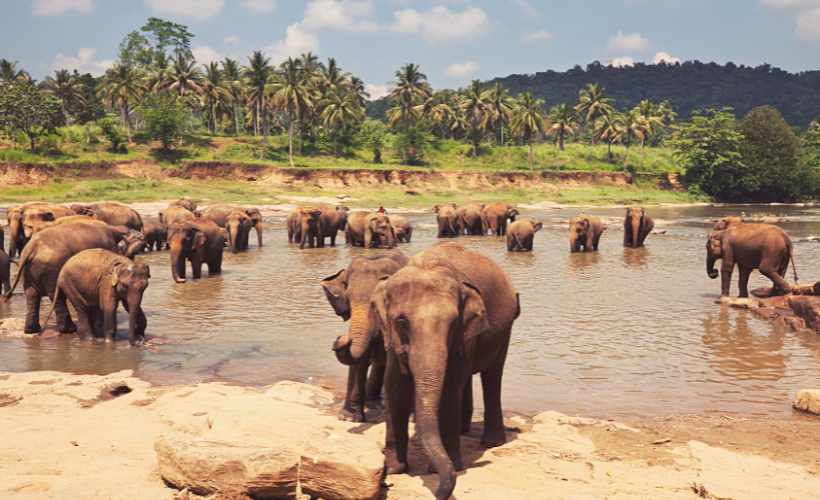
419,327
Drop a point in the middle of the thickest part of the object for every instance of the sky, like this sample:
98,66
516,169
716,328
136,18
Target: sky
453,41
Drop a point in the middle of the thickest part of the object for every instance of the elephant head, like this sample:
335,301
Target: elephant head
83,210
381,228
310,223
536,226
578,228
183,238
185,202
129,241
130,279
635,220
237,224
256,222
342,216
161,215
32,216
511,211
727,222
437,208
714,251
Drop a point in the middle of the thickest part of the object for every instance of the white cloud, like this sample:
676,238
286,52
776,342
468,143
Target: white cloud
807,25
261,6
457,70
204,54
231,39
620,62
663,56
407,21
376,91
440,24
526,9
84,62
296,42
536,36
59,7
343,15
633,42
799,4
196,9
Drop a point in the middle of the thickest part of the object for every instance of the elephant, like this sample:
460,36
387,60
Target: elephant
369,229
43,213
5,271
82,219
198,240
521,233
185,202
349,292
237,225
751,246
446,315
177,214
584,231
637,227
727,222
305,226
97,280
113,214
333,221
494,217
471,219
219,213
47,252
17,238
155,234
402,227
449,223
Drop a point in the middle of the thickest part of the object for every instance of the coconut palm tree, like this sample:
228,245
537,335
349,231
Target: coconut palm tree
156,75
257,75
215,94
459,123
528,118
331,76
650,121
295,96
667,114
815,125
357,88
632,127
474,103
121,84
184,76
67,88
232,75
563,120
610,129
409,90
308,63
594,103
499,108
340,109
10,74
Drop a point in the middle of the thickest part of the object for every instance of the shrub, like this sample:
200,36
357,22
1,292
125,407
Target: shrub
112,134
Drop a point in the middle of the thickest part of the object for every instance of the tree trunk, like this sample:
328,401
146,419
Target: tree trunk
643,142
65,113
265,131
236,118
626,163
290,142
475,151
530,151
560,147
31,141
300,137
592,139
127,123
608,151
335,137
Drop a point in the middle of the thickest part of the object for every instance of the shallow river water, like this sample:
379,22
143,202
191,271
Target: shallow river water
620,331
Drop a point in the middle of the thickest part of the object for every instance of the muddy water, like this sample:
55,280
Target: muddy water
620,331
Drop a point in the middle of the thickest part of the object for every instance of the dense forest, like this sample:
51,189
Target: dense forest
690,86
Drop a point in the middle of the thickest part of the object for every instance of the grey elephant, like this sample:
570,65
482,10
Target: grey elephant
521,233
155,234
237,226
448,220
584,233
637,227
471,219
199,241
494,218
305,226
402,227
727,222
113,214
219,213
5,271
332,221
369,229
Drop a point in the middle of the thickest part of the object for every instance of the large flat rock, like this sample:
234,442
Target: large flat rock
808,400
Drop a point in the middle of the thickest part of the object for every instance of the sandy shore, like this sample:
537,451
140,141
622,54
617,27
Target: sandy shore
68,436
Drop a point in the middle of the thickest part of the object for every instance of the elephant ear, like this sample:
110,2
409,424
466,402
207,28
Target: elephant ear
473,316
48,216
199,238
115,273
379,303
335,287
436,208
537,226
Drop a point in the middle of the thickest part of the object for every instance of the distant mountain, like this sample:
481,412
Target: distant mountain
690,86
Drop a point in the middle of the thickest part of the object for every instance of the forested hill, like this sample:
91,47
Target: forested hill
690,86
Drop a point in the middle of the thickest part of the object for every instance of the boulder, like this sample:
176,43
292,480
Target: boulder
808,400
740,303
808,308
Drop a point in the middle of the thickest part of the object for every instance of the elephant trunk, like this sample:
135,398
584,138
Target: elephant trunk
134,309
258,227
177,263
305,234
390,238
232,243
636,231
710,266
352,347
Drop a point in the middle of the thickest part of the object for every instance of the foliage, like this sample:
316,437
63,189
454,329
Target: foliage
414,144
26,110
112,134
372,136
164,118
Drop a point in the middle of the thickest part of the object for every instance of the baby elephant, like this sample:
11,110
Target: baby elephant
96,281
521,233
155,233
584,231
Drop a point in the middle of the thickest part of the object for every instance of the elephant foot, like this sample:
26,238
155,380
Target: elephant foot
465,428
396,468
372,394
32,327
493,439
351,415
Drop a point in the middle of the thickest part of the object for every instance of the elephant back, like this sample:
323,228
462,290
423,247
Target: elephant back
219,213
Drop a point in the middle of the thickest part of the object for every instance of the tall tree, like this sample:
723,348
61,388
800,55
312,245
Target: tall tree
474,103
499,108
295,96
167,35
232,73
632,127
409,90
528,118
340,109
257,73
594,103
122,84
610,129
667,113
358,89
563,120
26,110
184,75
815,125
10,74
215,94
66,88
650,121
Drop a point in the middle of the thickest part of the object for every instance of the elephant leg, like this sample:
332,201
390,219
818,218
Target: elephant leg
32,310
743,274
64,323
110,323
467,407
6,285
726,277
494,432
215,266
95,317
450,417
353,410
85,320
196,265
770,271
398,401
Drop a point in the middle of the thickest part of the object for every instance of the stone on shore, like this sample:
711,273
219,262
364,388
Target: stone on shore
740,303
808,400
808,308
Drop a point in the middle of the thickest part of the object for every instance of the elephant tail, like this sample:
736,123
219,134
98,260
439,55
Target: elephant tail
794,268
48,316
452,228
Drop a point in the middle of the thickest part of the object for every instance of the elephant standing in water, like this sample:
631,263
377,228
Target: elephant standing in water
494,217
199,241
113,214
446,315
5,271
471,219
219,213
96,281
370,229
751,246
402,227
305,226
17,238
155,234
349,292
521,233
333,221
584,231
727,222
637,227
237,227
449,222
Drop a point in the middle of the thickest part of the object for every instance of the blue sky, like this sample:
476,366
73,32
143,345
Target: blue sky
454,41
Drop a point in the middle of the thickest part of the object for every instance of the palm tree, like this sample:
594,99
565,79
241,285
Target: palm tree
340,108
499,107
610,129
232,74
156,79
66,87
563,120
10,74
474,102
409,89
459,122
331,76
594,103
357,88
215,93
184,75
667,114
815,125
309,63
632,127
121,84
295,96
649,121
528,118
257,74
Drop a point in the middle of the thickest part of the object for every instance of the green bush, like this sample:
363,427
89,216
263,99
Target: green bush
112,134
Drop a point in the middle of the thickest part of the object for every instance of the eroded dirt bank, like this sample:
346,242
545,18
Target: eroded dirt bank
85,436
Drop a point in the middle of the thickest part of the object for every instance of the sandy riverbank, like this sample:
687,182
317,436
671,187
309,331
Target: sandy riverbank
83,436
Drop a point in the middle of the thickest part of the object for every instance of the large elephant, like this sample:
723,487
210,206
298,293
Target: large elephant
370,229
448,220
219,213
155,234
349,292
471,219
5,271
445,316
71,219
185,202
637,227
494,218
17,237
305,226
751,246
727,222
47,252
113,214
237,225
42,213
402,228
96,281
333,220
521,234
199,241
584,231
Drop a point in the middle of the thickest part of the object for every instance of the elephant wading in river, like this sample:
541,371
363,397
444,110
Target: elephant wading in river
199,241
47,252
446,315
219,213
185,202
5,271
727,222
96,281
637,227
751,246
369,229
305,226
471,219
521,233
584,231
449,222
155,234
237,225
113,214
402,227
17,237
494,217
333,221
349,292
43,213
71,219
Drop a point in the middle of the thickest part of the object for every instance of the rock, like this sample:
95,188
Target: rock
767,291
342,196
13,327
810,239
294,392
808,400
808,308
662,231
740,303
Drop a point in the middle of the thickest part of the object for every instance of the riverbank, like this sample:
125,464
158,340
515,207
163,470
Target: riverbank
86,436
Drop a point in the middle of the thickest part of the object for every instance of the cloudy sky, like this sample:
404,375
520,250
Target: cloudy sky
454,41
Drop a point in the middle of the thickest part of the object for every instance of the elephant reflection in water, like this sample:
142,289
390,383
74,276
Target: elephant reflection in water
583,263
67,354
637,257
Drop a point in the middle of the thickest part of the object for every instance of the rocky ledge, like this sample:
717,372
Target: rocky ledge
798,310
